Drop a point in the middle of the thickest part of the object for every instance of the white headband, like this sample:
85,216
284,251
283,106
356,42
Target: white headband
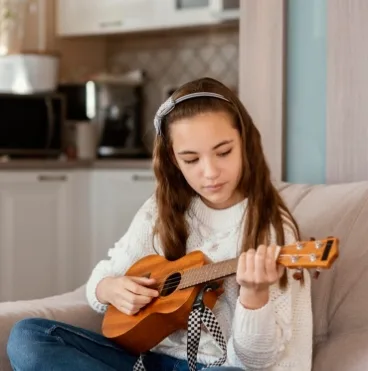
170,103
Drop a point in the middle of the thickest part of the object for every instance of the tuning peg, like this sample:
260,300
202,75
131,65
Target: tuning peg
316,273
298,274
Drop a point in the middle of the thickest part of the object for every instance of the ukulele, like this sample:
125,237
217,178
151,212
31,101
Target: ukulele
178,283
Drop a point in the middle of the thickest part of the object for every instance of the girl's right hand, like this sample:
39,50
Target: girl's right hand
127,294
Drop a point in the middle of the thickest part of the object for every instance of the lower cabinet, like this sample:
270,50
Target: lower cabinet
56,225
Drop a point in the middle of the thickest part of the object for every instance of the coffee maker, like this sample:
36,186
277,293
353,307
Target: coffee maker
116,109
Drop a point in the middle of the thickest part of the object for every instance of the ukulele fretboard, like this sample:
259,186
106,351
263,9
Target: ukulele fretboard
207,273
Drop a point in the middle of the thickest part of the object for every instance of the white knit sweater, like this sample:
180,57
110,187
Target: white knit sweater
277,336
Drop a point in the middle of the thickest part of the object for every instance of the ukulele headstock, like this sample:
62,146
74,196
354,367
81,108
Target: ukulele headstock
318,254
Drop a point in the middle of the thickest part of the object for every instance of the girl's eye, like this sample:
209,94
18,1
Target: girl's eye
223,154
191,161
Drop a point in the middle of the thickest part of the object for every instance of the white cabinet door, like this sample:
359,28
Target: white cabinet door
84,17
89,17
97,17
75,17
35,234
186,13
81,212
117,196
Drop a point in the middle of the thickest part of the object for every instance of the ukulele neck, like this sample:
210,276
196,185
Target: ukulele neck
302,254
207,273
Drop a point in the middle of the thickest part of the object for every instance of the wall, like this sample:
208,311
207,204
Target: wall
347,91
262,74
173,58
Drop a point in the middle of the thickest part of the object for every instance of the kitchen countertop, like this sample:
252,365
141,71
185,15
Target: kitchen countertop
109,164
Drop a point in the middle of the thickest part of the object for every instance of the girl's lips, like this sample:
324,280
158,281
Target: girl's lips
214,187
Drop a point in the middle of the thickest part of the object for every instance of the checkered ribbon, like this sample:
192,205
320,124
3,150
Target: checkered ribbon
139,366
197,316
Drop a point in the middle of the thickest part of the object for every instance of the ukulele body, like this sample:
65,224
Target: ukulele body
165,314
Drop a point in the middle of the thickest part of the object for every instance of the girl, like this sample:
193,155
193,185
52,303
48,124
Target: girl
214,193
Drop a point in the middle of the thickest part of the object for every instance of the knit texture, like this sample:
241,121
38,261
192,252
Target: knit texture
275,337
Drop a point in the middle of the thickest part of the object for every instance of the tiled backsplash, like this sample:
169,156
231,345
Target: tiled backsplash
173,58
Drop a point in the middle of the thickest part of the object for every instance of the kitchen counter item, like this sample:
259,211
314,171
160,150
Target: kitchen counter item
86,140
28,73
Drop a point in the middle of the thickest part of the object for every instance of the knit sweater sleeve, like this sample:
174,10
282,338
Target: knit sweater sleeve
260,337
135,244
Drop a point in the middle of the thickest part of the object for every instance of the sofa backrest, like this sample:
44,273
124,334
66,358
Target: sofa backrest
339,296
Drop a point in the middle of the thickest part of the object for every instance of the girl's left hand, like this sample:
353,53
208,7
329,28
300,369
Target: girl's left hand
257,271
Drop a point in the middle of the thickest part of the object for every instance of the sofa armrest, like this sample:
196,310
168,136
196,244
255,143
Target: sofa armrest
70,308
342,352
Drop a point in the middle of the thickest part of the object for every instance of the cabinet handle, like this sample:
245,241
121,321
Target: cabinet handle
143,178
52,178
111,24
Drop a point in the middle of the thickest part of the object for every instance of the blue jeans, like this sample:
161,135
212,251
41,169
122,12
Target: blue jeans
41,344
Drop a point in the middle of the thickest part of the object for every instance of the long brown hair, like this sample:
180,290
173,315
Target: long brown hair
173,193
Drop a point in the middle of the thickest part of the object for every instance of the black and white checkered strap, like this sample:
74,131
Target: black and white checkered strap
199,314
139,366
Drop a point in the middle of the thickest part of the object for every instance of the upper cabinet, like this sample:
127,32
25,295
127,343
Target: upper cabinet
96,17
180,13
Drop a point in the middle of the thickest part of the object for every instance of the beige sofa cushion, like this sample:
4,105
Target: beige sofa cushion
340,300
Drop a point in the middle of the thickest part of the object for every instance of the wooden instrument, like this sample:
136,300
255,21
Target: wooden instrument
178,283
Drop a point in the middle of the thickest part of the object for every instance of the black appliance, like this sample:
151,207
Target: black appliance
32,125
117,111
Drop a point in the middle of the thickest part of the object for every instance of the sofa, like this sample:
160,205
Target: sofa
339,296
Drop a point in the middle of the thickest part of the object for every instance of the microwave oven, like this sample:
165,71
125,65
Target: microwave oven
32,125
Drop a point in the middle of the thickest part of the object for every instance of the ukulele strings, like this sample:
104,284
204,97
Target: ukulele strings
161,280
173,282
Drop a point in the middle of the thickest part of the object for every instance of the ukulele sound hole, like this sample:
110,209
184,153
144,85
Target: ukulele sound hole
171,283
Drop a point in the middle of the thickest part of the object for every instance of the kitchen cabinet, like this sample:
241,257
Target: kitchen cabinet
36,221
94,17
116,197
56,225
183,13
